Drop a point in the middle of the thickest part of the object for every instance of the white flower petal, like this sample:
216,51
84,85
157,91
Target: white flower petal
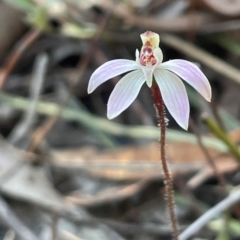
148,74
137,55
109,70
174,96
191,74
124,93
157,52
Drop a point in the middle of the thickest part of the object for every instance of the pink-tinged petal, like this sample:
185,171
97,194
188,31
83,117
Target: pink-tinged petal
109,70
191,74
124,93
174,95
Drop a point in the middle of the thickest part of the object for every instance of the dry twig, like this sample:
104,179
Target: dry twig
14,57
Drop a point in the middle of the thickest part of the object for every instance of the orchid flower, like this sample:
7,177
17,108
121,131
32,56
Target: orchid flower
149,64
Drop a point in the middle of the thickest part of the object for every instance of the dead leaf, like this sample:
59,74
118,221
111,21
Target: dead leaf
133,163
30,184
23,181
223,165
235,135
225,7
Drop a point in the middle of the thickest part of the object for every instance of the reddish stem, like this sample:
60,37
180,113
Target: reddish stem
160,109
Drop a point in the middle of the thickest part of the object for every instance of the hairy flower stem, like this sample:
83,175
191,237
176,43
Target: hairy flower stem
160,110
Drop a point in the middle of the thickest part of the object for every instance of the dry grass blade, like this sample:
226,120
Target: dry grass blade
25,125
54,226
69,236
14,222
207,155
206,217
41,132
10,235
108,196
176,24
94,122
226,7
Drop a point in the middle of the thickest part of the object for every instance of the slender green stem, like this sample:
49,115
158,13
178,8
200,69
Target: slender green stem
168,177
